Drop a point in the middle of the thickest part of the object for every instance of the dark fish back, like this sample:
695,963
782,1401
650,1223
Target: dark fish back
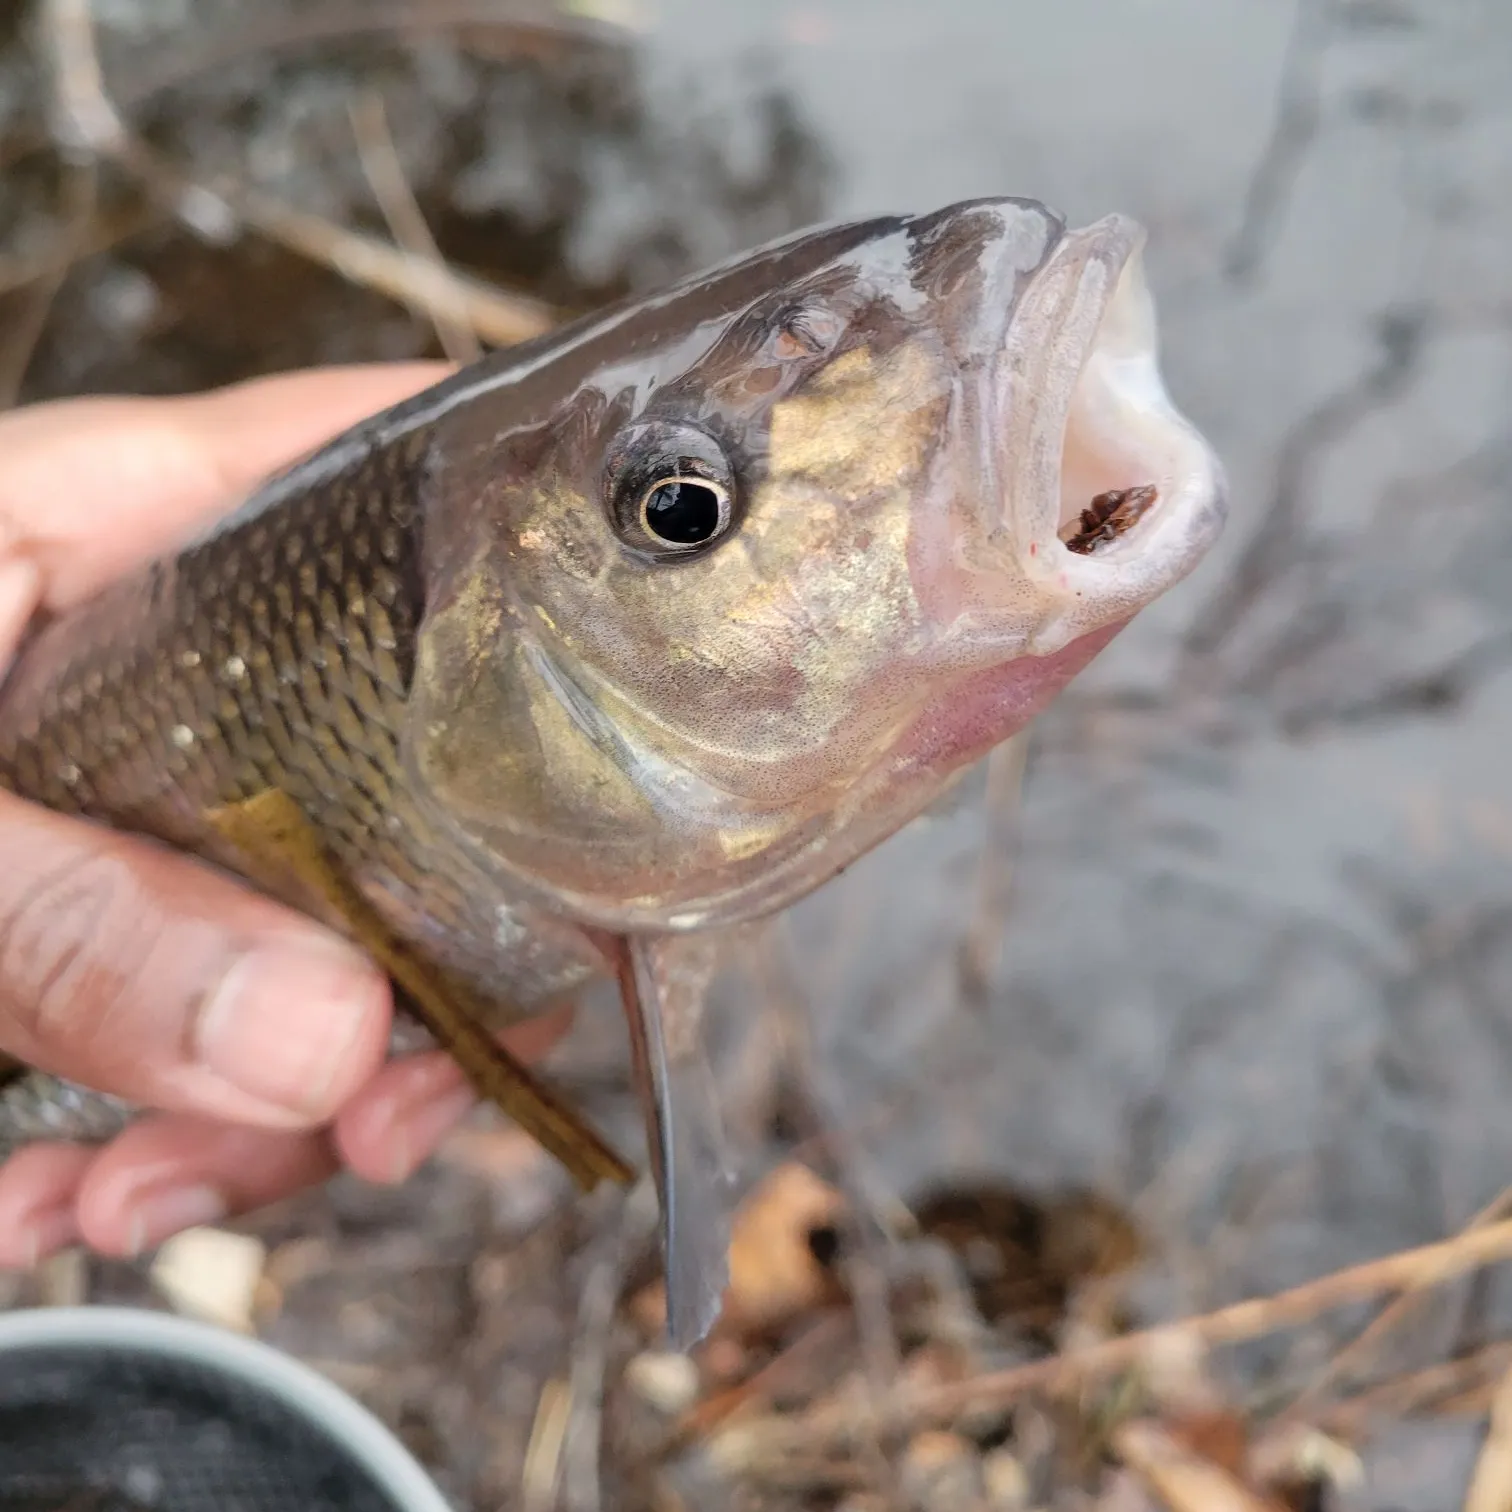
276,654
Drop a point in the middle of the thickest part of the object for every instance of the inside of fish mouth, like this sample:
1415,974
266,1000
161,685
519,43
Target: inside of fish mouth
1120,430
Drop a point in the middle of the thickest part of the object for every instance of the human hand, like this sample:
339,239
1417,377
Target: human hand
260,1037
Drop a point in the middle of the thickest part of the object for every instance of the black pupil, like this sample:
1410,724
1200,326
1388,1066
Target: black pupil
682,513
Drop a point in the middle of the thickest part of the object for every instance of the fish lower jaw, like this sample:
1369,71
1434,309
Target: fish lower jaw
1138,495
984,708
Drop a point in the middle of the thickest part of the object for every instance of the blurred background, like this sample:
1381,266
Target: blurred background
1223,949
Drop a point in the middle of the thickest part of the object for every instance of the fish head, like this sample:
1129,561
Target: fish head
725,586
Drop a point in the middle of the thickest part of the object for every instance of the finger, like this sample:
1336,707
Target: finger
92,487
140,972
397,1120
173,1172
37,1191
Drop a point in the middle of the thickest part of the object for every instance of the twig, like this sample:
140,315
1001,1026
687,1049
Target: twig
761,1451
407,18
499,318
789,1007
1436,1389
1472,1403
1410,1270
1491,1485
1354,1354
1183,1480
102,233
865,1268
825,1340
89,122
628,1224
543,1454
84,120
385,176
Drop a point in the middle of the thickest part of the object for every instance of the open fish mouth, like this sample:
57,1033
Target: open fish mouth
1112,495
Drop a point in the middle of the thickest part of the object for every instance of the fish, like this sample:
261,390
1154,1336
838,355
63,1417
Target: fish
612,643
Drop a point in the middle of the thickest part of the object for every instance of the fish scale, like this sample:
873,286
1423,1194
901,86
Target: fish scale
243,655
278,656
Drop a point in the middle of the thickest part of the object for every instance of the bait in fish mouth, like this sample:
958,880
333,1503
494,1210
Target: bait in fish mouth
610,644
1108,516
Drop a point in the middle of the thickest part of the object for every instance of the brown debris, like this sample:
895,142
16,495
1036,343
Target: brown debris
1025,1407
1219,1435
1025,1256
1108,516
1148,1401
1357,1354
97,132
1183,1479
800,1372
1429,1265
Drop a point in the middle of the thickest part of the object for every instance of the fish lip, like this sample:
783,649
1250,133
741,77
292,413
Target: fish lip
1079,367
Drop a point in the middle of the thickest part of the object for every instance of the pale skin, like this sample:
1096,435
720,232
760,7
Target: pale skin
259,1040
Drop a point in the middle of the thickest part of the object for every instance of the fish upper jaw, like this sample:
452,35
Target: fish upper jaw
1073,410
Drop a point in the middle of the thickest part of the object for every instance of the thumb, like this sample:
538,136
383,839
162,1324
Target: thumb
140,972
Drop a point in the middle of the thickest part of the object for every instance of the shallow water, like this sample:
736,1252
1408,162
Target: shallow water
1257,963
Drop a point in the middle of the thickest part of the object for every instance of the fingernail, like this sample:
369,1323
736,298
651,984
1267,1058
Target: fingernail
418,1133
286,1018
46,1233
158,1213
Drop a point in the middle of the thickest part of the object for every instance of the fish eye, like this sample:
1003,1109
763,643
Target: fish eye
684,512
669,491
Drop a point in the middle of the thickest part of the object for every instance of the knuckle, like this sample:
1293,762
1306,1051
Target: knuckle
72,945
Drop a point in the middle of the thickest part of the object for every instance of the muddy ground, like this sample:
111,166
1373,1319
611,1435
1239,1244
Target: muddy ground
1245,967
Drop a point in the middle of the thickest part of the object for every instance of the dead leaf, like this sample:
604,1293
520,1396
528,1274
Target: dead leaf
1182,1479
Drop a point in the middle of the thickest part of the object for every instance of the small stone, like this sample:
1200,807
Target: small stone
669,1382
182,736
746,1447
64,1279
935,1447
124,299
1328,1459
941,1473
1006,1481
210,1274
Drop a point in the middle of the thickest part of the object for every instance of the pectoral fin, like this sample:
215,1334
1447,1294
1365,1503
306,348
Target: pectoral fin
276,841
